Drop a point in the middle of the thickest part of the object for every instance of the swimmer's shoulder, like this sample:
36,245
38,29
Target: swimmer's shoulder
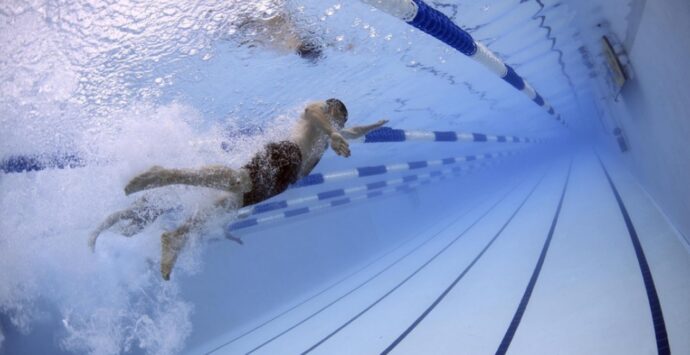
317,106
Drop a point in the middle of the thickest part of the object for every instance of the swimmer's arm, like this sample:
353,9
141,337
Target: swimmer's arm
315,116
359,131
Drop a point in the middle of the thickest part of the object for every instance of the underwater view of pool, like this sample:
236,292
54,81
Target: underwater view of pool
499,203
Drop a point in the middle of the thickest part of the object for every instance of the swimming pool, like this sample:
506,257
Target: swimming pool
474,223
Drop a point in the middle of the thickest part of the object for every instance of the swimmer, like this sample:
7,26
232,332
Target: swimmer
267,174
280,33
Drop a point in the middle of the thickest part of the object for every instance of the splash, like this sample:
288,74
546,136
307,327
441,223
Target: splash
43,254
85,77
48,215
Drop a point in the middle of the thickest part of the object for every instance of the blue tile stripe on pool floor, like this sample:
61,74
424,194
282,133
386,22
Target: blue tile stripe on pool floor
517,317
662,344
379,273
440,298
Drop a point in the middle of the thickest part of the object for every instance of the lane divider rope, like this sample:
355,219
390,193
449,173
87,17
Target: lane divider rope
341,197
366,171
342,192
431,21
389,135
20,163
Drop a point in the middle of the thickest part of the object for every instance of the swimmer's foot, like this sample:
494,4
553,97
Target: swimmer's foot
233,238
92,241
154,177
171,245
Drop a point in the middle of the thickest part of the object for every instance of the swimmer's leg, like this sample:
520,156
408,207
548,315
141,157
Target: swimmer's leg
109,222
173,242
216,177
140,215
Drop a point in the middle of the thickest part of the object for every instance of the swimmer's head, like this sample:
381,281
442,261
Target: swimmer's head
310,50
337,111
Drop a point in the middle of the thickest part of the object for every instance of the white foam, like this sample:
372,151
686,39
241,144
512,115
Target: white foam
113,300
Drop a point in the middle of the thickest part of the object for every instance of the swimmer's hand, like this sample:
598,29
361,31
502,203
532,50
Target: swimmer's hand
339,145
359,131
380,123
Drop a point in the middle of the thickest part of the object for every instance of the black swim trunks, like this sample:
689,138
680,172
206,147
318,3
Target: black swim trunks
272,171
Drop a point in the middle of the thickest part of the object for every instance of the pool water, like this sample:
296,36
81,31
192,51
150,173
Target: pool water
534,247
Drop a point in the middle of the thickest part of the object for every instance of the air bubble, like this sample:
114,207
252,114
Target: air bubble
170,11
185,23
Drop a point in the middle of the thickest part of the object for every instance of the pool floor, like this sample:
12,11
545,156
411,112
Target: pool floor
547,266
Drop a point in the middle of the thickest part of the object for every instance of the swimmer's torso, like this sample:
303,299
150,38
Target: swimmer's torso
312,141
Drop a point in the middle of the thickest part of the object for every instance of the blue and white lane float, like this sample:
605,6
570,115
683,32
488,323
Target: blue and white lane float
366,171
261,208
29,163
431,21
369,188
390,135
405,187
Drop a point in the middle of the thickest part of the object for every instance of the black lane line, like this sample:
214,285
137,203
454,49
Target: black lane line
510,333
331,286
313,296
662,345
462,274
451,243
334,284
380,272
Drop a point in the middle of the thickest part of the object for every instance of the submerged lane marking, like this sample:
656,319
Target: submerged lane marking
396,248
411,275
510,333
377,274
313,296
662,345
462,274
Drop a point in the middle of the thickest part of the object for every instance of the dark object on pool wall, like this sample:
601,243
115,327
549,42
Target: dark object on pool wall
613,60
622,144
